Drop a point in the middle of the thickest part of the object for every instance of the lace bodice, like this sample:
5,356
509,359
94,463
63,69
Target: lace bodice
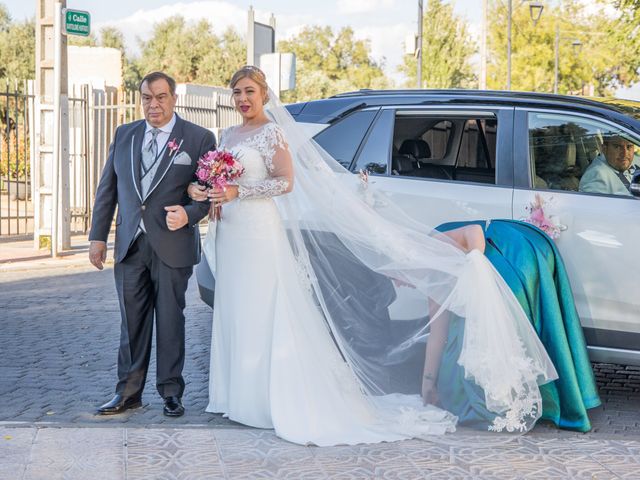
264,153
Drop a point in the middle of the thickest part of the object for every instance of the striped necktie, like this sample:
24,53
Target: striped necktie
150,153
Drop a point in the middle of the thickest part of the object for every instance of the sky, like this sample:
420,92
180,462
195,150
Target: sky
385,23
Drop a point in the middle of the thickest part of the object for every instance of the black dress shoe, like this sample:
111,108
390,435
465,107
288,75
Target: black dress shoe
173,407
119,404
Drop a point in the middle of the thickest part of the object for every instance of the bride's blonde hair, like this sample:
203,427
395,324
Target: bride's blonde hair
255,74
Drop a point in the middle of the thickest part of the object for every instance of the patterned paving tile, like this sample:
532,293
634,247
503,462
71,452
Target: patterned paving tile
206,453
256,445
367,461
77,453
442,471
293,468
572,446
15,450
624,466
172,454
590,471
363,467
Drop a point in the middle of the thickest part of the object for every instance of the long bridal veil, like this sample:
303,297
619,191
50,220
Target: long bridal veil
355,250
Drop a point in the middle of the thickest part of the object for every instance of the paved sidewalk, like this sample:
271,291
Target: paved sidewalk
59,322
204,453
22,255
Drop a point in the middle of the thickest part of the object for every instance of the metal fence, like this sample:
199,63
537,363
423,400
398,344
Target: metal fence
93,118
214,112
16,124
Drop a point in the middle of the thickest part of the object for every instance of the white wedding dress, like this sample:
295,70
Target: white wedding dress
278,358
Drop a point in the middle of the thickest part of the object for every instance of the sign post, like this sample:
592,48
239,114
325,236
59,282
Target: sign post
50,177
261,38
52,213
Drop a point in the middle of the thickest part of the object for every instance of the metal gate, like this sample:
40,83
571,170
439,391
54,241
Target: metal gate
93,118
16,124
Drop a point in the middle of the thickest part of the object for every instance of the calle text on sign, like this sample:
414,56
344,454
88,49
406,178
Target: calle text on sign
76,22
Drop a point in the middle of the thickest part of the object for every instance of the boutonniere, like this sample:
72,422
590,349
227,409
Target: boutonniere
174,146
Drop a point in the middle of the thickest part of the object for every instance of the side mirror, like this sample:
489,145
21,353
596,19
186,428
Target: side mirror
634,186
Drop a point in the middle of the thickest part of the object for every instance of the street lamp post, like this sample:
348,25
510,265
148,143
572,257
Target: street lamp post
576,44
482,84
535,11
419,44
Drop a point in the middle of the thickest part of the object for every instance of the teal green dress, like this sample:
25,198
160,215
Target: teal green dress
531,265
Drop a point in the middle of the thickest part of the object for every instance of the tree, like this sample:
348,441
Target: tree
329,63
607,57
17,47
192,53
446,50
223,59
5,17
80,41
111,37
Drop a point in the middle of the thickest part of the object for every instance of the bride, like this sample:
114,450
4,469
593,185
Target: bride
306,259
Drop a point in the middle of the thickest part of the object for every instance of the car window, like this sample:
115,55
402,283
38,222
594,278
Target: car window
374,156
579,154
478,146
457,148
343,138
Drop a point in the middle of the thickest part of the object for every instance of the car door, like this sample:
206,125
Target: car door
449,183
599,232
431,193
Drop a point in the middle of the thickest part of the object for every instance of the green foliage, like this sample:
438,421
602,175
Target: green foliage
608,56
631,5
111,37
192,53
5,17
14,155
328,63
80,41
446,50
17,47
223,59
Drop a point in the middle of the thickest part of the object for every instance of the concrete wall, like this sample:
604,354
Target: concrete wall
98,66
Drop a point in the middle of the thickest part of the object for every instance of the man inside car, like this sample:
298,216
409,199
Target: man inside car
611,171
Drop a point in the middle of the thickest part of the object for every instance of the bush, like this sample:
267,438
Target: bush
14,157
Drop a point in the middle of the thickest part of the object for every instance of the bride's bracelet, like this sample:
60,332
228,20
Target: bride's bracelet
428,376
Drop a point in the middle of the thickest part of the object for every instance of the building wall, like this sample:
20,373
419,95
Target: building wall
98,66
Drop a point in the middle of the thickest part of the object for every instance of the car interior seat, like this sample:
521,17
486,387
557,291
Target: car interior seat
555,155
419,152
401,165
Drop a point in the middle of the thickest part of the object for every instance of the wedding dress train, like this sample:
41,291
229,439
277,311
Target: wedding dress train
287,350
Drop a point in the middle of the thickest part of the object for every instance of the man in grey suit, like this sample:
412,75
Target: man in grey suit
151,162
611,171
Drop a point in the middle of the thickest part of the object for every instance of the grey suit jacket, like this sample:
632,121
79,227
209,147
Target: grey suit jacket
120,186
600,177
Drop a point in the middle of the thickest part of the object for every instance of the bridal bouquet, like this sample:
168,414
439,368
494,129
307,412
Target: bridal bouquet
217,169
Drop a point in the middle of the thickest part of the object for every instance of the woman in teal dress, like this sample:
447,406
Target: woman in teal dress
530,263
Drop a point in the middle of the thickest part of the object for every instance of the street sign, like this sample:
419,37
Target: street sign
76,22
